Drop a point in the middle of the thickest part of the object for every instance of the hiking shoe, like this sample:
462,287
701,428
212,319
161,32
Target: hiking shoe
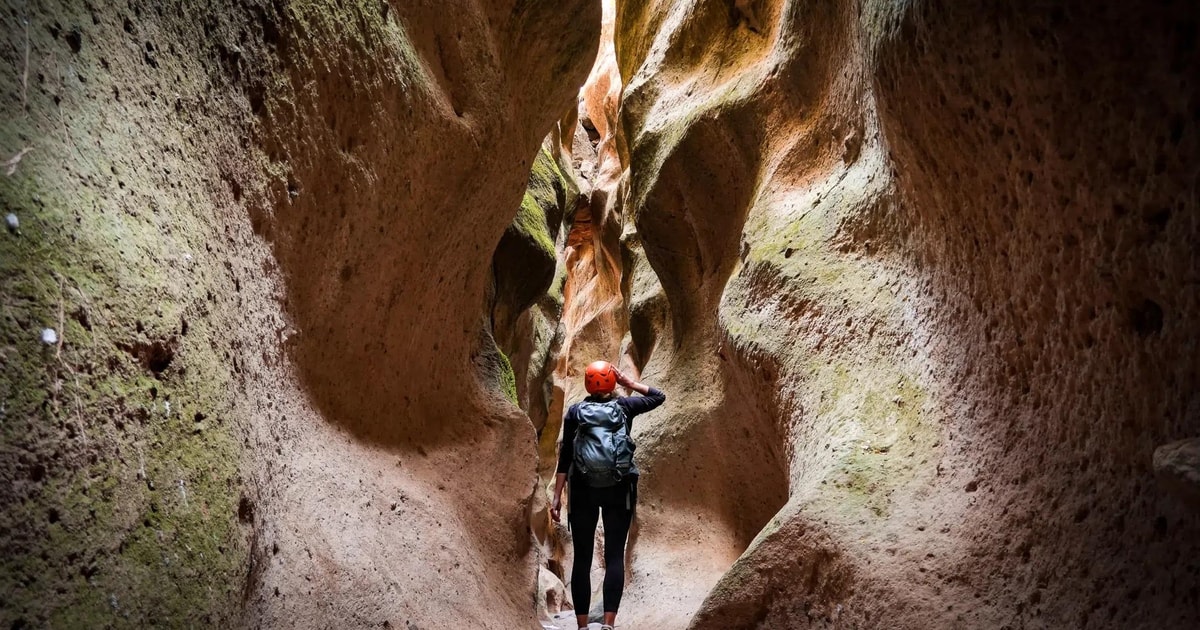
606,627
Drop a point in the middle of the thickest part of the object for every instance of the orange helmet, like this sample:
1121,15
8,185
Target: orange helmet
600,377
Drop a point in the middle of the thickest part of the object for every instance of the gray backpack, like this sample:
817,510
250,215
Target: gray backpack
603,448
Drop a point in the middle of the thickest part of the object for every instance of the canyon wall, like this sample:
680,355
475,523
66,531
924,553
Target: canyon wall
924,300
263,236
919,279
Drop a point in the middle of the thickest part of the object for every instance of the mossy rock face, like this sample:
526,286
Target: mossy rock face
119,442
526,258
121,460
508,380
527,273
173,152
524,261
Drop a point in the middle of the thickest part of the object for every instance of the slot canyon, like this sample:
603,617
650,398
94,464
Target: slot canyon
294,295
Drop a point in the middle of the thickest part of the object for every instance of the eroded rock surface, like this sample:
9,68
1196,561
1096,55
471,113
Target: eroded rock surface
1178,466
264,232
920,280
927,306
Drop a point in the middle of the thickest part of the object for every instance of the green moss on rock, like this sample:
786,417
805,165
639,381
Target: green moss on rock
508,379
548,195
876,415
119,507
531,224
123,507
525,259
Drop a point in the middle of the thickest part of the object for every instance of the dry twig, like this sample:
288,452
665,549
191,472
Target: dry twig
25,74
10,165
62,334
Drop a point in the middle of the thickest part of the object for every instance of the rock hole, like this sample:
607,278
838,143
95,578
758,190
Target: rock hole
741,13
270,30
1146,318
80,315
257,97
155,356
75,40
1159,219
245,510
592,134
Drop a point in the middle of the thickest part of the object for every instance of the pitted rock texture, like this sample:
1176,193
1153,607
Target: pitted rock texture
924,278
919,278
265,232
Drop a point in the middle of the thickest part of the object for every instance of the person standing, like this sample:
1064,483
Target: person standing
596,460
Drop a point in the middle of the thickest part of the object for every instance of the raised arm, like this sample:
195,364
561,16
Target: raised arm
650,397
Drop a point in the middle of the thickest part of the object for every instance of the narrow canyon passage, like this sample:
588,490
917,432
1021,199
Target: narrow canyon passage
294,296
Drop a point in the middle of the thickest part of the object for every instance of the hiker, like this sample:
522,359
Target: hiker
597,455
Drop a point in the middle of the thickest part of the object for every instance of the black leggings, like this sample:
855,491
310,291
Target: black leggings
616,505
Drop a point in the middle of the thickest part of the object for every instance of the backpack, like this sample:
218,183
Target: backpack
603,448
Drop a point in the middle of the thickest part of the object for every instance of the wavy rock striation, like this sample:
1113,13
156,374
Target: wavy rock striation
264,232
920,278
924,301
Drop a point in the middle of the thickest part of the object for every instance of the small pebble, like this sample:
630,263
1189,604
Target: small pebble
12,222
49,336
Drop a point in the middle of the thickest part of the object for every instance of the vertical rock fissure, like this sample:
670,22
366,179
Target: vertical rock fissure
615,308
